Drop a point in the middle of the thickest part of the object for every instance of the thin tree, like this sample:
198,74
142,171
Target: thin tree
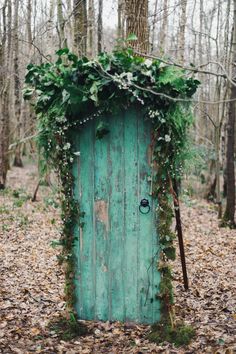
17,85
121,19
91,29
181,34
61,25
164,28
100,27
154,24
4,95
230,183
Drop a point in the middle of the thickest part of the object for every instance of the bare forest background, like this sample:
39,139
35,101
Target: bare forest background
192,34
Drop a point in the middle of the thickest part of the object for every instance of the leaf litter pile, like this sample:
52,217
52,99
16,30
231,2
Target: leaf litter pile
32,306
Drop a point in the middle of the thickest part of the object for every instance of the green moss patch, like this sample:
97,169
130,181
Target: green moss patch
180,335
67,329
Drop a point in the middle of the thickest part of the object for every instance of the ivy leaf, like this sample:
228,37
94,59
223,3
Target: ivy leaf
102,130
31,74
76,95
27,93
72,57
94,90
65,96
132,37
63,51
105,61
170,74
30,66
94,98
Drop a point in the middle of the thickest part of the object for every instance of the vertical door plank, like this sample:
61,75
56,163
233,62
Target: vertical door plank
131,215
77,193
148,271
101,209
116,215
87,237
156,311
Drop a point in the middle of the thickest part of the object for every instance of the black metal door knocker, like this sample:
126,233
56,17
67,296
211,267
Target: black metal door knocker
144,206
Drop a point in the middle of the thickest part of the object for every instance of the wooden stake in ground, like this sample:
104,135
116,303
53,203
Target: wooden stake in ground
180,234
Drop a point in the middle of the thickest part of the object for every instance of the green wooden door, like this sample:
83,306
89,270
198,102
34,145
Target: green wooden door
117,249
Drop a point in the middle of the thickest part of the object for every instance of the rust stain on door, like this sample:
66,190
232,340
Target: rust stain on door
101,212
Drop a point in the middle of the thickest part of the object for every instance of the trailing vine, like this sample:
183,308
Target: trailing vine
67,93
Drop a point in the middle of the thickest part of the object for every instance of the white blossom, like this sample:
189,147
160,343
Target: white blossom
167,138
77,153
148,63
66,146
61,119
162,65
153,114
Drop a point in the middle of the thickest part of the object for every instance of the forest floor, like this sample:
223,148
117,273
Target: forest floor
32,282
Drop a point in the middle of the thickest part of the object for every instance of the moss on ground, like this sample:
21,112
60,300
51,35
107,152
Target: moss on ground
181,334
67,329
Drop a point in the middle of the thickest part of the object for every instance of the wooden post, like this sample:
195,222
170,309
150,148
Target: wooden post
180,234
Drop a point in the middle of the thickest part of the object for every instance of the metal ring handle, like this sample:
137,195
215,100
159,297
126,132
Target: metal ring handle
141,210
144,203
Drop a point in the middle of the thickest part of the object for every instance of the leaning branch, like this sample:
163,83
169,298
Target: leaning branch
22,141
37,48
196,69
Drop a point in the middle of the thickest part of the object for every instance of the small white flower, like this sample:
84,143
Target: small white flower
61,119
148,63
167,138
129,77
147,73
162,65
77,153
66,146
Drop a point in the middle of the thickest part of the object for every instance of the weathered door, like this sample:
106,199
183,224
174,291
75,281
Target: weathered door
117,249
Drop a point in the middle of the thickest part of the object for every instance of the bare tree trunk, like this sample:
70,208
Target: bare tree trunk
61,25
121,19
137,23
4,94
164,27
181,34
29,17
27,112
69,25
227,50
91,29
80,27
230,201
3,122
49,27
153,30
17,87
100,27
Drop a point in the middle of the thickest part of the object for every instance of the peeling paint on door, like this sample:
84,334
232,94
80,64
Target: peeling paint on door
101,212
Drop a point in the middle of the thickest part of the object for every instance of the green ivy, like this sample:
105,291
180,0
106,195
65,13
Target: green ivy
68,92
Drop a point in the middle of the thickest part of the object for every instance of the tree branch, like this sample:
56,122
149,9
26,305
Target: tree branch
174,99
189,68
